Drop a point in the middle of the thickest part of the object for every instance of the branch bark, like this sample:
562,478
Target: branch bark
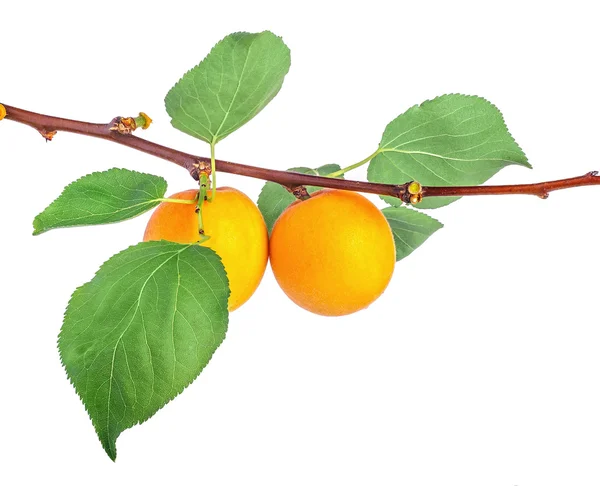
49,125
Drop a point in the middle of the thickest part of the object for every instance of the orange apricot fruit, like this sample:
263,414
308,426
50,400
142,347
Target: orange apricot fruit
237,233
332,254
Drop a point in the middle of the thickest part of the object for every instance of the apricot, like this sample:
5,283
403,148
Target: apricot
332,254
237,233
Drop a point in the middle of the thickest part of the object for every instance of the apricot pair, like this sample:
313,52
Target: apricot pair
332,254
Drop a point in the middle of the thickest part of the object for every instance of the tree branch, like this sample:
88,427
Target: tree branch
49,125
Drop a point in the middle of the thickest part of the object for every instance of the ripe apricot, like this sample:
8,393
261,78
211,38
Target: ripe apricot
332,254
237,233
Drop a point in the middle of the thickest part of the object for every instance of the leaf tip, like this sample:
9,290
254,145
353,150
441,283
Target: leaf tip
38,225
110,448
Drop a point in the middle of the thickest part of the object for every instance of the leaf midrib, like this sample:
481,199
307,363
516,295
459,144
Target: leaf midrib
237,89
425,123
76,218
123,333
440,156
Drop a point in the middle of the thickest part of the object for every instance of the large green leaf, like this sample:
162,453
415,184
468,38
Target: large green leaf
410,228
274,198
100,198
453,140
237,79
142,330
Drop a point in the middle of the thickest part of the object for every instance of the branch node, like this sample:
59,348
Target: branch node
544,195
199,167
411,192
123,125
299,192
48,135
203,167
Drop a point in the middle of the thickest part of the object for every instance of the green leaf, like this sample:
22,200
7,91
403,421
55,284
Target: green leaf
237,79
101,198
453,140
410,228
142,330
274,198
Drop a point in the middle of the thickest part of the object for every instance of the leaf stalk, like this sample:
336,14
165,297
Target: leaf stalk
354,166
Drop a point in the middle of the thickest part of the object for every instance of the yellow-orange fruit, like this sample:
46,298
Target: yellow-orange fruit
332,254
237,233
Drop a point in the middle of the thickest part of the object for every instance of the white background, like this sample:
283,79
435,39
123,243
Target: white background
478,366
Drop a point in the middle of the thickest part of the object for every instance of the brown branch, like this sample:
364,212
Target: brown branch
49,125
540,189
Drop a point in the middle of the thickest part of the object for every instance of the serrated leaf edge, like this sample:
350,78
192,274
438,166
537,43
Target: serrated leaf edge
461,95
37,231
113,454
217,138
439,224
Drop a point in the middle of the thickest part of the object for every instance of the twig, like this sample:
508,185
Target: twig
47,125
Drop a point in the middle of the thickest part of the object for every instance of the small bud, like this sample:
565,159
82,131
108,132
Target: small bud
47,135
146,120
2,111
416,198
124,125
415,188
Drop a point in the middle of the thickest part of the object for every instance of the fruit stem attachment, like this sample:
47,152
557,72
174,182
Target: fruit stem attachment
202,239
2,111
299,192
353,166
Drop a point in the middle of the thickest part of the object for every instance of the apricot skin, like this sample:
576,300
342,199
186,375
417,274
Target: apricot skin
237,233
332,254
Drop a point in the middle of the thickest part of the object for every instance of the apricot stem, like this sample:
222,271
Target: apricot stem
202,239
200,202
